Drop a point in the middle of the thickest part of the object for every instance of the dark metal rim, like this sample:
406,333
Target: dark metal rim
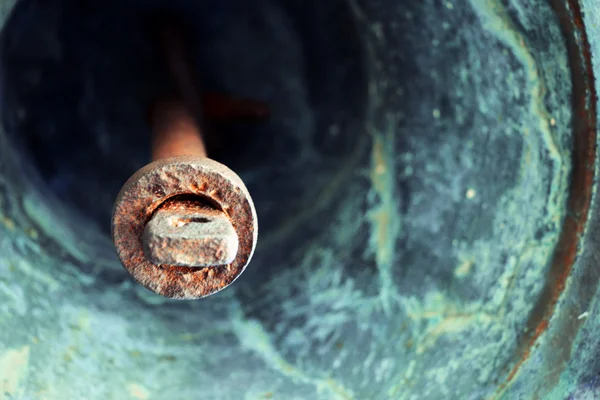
559,327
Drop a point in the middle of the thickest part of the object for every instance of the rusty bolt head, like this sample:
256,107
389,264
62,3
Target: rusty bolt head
148,189
187,233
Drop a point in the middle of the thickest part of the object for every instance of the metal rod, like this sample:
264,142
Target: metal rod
184,225
184,233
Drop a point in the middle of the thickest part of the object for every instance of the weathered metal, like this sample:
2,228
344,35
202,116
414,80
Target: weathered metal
427,188
162,238
188,233
161,180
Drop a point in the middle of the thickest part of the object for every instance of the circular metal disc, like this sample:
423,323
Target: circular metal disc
148,188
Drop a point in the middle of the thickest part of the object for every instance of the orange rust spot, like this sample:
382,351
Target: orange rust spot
541,328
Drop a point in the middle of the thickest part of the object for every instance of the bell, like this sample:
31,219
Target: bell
424,186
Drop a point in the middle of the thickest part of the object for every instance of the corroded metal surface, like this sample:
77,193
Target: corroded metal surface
436,263
184,233
146,190
187,233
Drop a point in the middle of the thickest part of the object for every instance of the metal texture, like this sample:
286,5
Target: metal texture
187,233
177,234
164,179
453,255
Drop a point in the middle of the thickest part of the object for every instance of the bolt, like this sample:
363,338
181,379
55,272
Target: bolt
207,237
184,225
189,234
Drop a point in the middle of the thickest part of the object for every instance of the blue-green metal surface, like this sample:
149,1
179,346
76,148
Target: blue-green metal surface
411,190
